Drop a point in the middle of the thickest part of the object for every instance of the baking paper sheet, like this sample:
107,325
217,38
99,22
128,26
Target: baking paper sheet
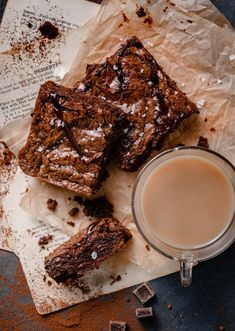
194,51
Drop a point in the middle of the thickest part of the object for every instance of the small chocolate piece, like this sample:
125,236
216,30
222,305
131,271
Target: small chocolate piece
99,207
86,250
140,12
212,129
45,240
115,279
48,30
117,326
144,312
49,283
169,306
144,292
73,211
147,247
70,223
51,204
203,142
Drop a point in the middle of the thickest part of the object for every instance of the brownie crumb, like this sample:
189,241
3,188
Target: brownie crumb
70,223
144,293
171,3
212,130
189,21
140,12
117,326
44,240
165,9
144,312
29,25
49,283
169,306
78,199
115,279
205,120
99,207
44,278
125,18
51,204
69,198
48,30
147,247
148,20
74,211
203,142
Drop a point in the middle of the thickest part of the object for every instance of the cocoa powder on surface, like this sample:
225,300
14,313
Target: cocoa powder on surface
17,310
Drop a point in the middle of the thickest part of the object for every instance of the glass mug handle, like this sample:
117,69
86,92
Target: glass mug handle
186,268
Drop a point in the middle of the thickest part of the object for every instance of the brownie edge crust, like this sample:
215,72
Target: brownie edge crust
70,138
86,250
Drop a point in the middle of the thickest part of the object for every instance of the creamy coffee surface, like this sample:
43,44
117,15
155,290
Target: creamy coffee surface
187,201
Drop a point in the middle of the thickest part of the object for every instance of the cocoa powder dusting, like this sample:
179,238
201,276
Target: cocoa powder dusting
17,302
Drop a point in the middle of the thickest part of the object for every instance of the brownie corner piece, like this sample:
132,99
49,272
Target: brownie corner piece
70,138
86,250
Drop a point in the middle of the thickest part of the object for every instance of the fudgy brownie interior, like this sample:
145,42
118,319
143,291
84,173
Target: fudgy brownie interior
86,250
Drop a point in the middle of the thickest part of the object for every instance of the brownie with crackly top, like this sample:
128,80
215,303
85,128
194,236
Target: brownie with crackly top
86,250
70,139
151,101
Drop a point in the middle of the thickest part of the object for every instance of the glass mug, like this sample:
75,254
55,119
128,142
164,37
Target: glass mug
190,256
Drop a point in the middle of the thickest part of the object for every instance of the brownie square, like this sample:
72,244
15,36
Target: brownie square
144,292
144,312
70,138
152,103
117,326
86,250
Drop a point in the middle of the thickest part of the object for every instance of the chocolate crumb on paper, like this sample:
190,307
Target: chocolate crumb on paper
70,223
147,247
115,279
125,18
212,129
48,30
203,142
44,240
74,211
51,204
140,12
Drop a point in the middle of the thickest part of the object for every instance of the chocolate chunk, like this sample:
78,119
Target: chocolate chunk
141,12
44,240
99,207
74,211
117,326
70,223
144,312
203,142
48,30
49,283
147,247
212,129
144,292
86,250
51,204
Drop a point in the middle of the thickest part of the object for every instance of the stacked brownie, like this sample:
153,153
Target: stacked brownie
122,110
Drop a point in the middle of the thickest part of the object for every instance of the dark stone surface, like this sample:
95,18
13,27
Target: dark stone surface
207,304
